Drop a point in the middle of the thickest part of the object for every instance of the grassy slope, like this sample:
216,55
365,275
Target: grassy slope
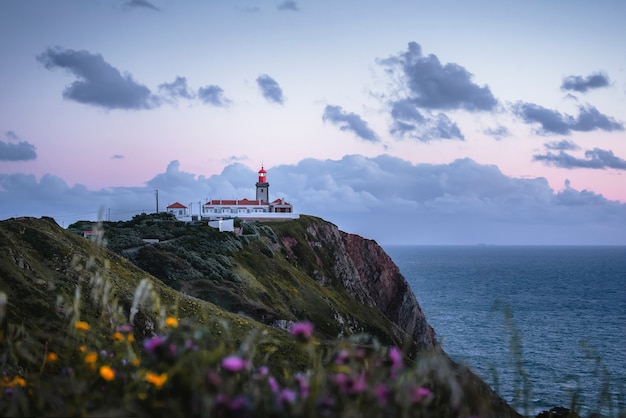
40,262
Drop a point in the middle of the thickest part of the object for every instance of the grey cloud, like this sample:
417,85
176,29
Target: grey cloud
290,5
431,85
350,122
143,4
177,89
213,95
554,122
99,83
410,122
21,151
596,158
583,84
564,145
498,132
385,198
117,157
270,89
12,135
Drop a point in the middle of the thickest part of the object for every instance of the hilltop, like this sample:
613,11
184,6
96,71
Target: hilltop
265,278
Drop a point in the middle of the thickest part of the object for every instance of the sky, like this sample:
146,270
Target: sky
406,121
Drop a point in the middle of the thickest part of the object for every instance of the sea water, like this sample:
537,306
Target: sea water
566,304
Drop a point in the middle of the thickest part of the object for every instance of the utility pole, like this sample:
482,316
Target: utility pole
157,200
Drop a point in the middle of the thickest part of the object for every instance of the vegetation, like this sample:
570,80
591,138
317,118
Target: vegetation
85,332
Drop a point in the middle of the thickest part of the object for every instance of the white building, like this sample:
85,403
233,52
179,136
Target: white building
259,209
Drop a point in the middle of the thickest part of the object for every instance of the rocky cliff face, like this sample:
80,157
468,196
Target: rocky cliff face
371,277
379,276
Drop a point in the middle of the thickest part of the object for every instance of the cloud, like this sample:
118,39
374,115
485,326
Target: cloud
583,84
142,4
498,132
564,145
22,151
16,151
384,198
99,83
177,89
213,95
428,84
350,122
596,158
270,89
290,5
410,122
117,157
554,122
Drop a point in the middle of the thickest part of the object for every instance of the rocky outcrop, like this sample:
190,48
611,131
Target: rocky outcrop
371,277
379,276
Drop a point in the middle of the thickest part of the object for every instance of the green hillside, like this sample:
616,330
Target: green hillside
197,325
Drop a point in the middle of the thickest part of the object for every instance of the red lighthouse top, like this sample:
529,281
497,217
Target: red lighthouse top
262,175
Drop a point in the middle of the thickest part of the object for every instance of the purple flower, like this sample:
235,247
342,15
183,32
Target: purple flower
287,396
273,384
395,355
419,394
302,330
125,328
381,392
342,357
234,363
303,383
153,343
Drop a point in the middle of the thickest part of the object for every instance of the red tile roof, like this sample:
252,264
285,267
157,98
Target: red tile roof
177,205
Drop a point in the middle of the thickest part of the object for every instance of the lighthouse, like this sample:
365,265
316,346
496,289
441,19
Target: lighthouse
262,187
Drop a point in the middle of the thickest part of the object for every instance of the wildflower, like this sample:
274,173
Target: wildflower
130,338
135,362
303,384
91,357
342,357
16,381
158,380
302,330
81,325
395,355
171,322
153,343
381,392
117,336
51,357
107,373
125,328
234,363
287,396
273,384
419,394
82,348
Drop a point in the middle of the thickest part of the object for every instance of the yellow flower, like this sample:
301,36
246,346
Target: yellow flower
91,357
117,336
107,373
157,380
135,362
82,325
82,348
16,381
171,322
51,357
130,338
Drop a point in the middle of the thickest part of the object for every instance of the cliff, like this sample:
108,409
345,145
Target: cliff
266,277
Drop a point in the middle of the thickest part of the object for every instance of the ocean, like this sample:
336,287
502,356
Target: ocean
567,305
